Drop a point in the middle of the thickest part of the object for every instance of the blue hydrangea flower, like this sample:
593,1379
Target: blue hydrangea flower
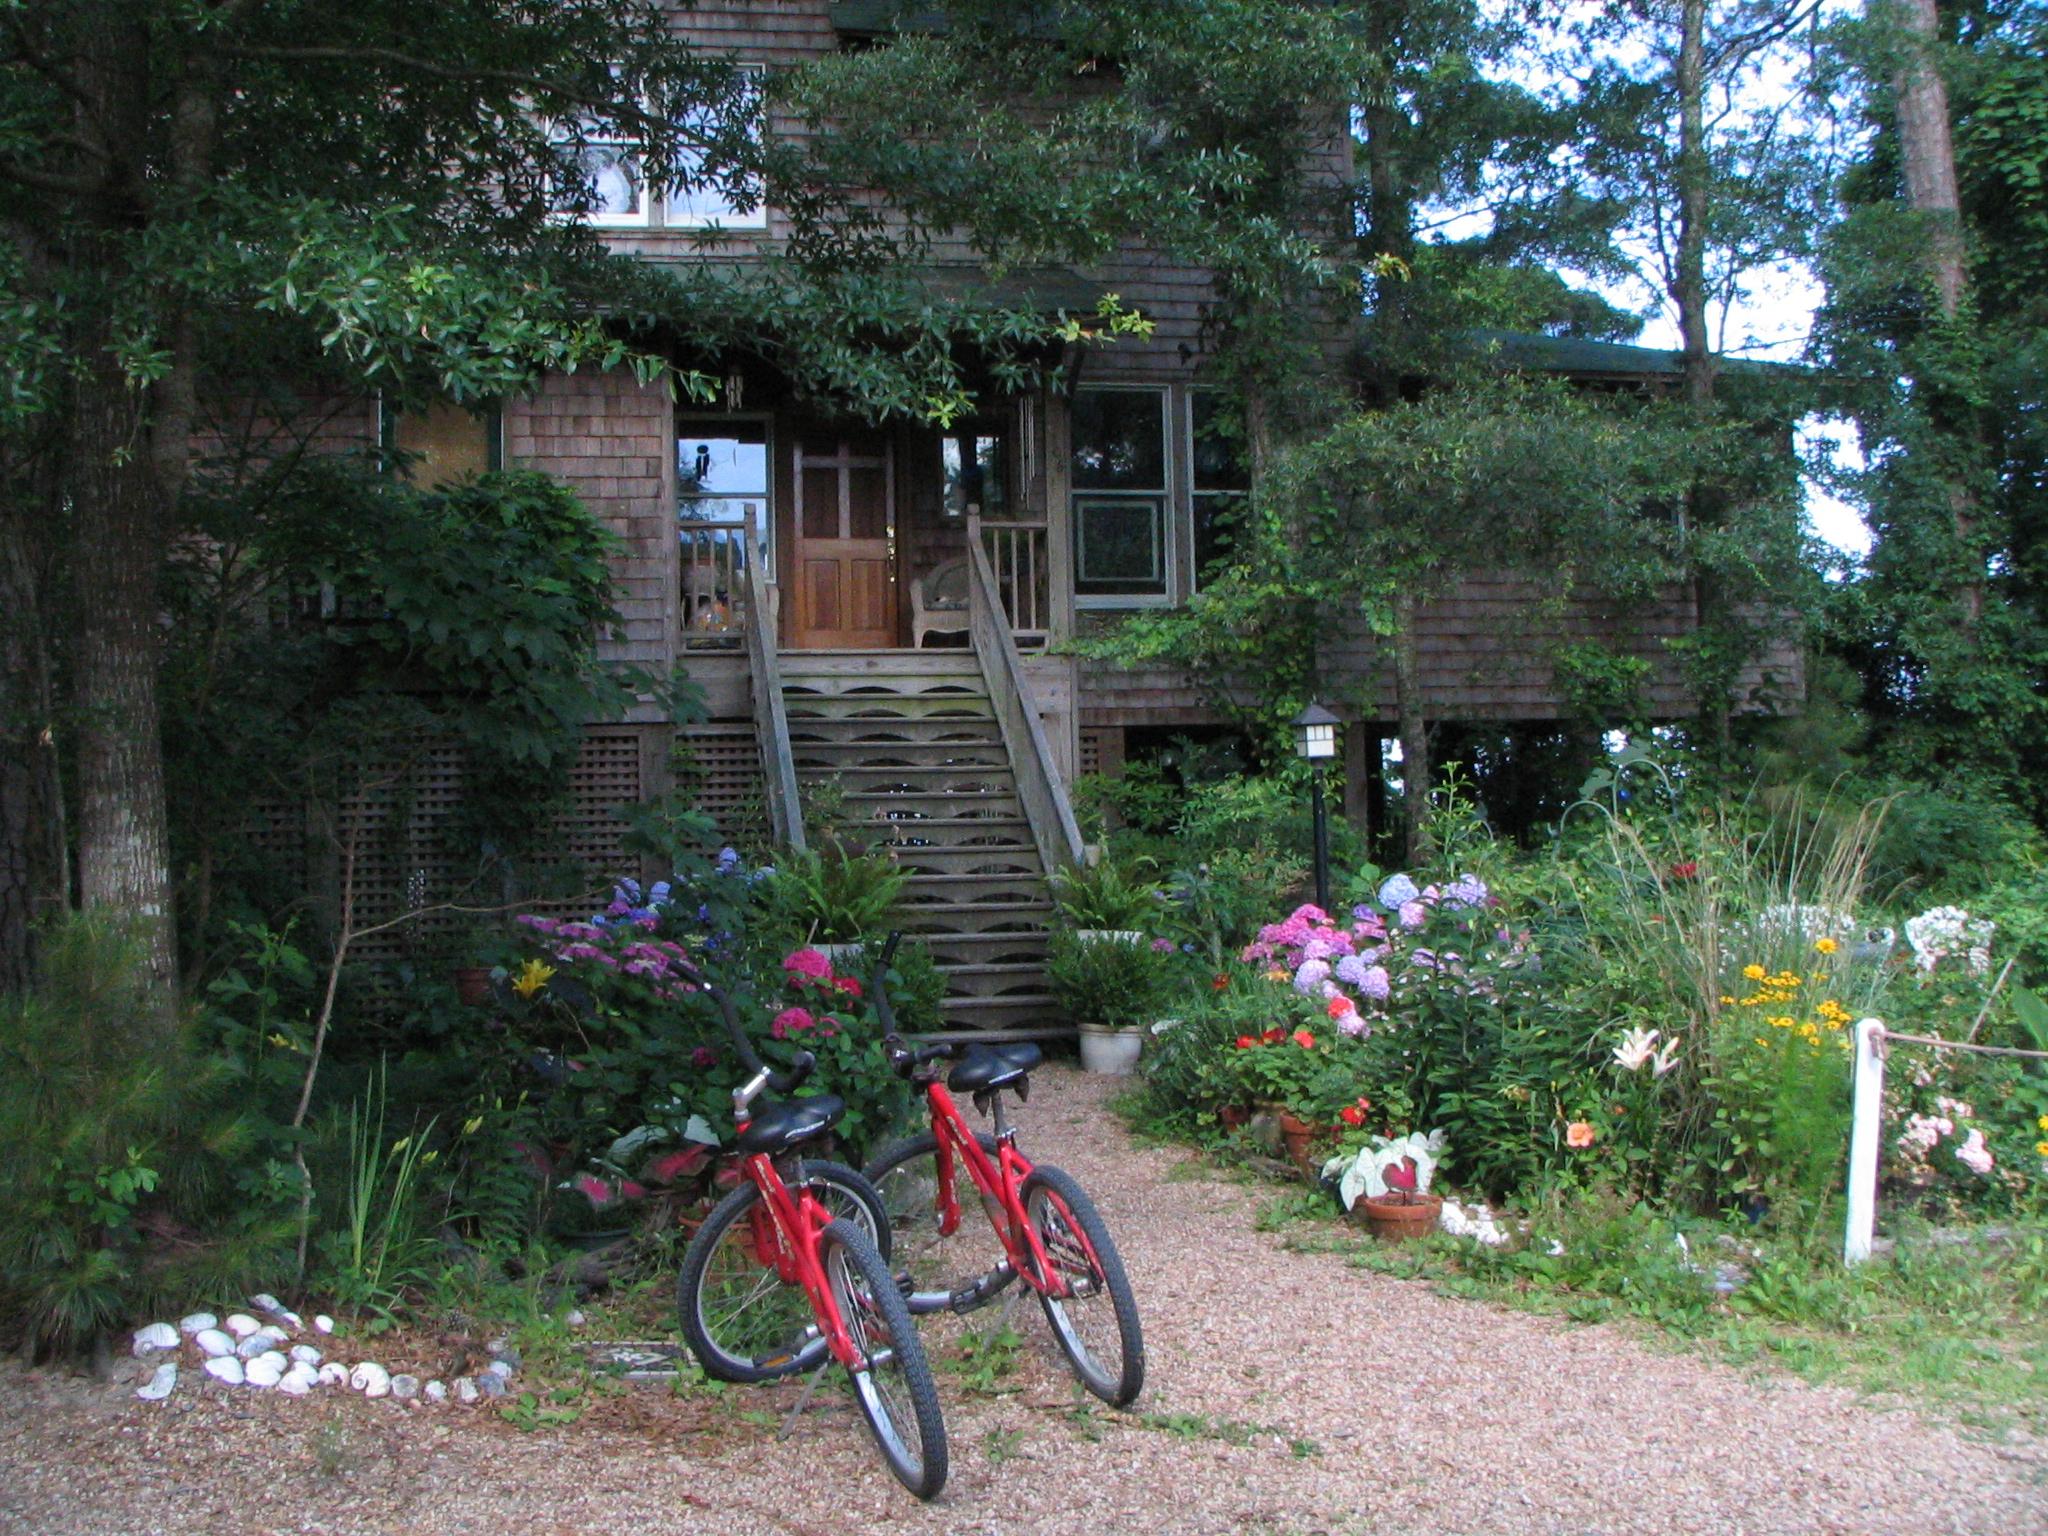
1396,891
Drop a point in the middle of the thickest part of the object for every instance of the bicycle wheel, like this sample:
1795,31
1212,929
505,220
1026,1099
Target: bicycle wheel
1097,1322
906,1175
895,1391
739,1319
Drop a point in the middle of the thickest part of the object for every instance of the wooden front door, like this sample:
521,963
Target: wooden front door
844,563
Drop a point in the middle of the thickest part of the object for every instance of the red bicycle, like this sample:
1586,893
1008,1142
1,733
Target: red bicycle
1049,1231
787,1271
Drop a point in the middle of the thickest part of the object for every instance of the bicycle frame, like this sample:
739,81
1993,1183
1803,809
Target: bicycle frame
1000,1180
786,1225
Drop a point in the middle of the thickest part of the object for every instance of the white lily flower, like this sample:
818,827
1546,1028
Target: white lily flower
1665,1059
1636,1047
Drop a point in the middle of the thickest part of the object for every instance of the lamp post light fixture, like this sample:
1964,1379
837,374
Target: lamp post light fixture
1315,742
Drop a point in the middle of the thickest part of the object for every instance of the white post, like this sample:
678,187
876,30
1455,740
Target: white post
1863,1138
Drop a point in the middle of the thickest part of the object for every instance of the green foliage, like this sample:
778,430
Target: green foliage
833,894
127,1177
1114,981
379,1246
1114,894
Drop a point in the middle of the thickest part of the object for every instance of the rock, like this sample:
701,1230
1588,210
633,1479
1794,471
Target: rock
153,1338
225,1368
502,1369
497,1346
197,1322
298,1381
304,1354
333,1373
241,1324
212,1341
266,1370
490,1385
465,1390
509,1356
160,1385
575,1319
323,1324
370,1379
437,1391
405,1387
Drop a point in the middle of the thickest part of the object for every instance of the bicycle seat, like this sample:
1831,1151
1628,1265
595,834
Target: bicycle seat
993,1066
778,1127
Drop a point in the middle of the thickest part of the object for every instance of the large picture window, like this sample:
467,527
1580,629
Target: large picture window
703,202
1120,495
609,180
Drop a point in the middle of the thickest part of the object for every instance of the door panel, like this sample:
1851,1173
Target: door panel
845,554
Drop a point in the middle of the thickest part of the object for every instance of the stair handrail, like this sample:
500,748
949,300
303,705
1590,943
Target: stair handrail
1039,786
771,718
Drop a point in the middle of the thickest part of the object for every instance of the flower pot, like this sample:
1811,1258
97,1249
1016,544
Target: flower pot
1110,1050
1397,1218
1109,935
1233,1117
1297,1136
842,956
472,985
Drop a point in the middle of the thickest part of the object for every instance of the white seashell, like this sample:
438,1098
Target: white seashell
465,1390
197,1322
212,1341
263,1301
153,1338
370,1379
298,1381
254,1345
403,1387
225,1368
502,1369
272,1332
160,1385
323,1324
241,1324
437,1391
333,1373
490,1386
305,1354
266,1370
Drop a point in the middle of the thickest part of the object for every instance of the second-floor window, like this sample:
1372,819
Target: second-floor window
1122,549
1219,479
612,176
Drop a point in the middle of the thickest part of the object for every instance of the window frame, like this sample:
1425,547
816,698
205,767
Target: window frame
680,420
1196,494
493,414
758,218
1165,499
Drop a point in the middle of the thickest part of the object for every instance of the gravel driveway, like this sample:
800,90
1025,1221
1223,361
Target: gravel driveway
1287,1393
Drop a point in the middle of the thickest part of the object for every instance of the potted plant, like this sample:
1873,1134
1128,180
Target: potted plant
1113,988
1292,1073
1386,1184
833,897
1107,900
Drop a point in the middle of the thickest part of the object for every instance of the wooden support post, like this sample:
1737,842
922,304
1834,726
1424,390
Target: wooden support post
1863,1142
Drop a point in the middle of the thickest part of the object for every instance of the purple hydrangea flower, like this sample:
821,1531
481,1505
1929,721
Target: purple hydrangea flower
1313,974
1413,915
1376,984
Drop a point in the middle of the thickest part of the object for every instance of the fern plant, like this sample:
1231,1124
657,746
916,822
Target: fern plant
829,895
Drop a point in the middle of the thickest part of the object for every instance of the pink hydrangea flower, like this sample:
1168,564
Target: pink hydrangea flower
1413,915
789,1022
807,964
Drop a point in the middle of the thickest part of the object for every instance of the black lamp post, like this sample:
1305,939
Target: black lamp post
1315,742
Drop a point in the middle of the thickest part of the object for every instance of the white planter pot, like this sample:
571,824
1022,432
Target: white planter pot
1109,935
1111,1052
842,956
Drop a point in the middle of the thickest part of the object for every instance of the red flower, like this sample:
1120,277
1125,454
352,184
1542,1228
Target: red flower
1351,1114
1304,1039
848,985
1341,1005
1246,1042
1685,869
1274,1035
1218,982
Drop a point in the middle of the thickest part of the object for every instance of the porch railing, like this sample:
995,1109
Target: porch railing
771,720
1039,786
1019,567
717,589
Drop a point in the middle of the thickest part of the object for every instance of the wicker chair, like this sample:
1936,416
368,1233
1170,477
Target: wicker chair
938,602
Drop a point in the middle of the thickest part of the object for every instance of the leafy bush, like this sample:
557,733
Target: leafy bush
1111,981
126,1170
1114,895
834,895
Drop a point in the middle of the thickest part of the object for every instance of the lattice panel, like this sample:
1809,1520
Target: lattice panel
606,777
726,778
397,824
1090,760
276,828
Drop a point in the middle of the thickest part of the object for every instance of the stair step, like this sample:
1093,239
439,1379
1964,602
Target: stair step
801,709
869,755
991,863
877,662
964,780
1030,1011
890,733
945,805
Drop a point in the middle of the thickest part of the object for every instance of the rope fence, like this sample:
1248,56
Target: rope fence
1872,1042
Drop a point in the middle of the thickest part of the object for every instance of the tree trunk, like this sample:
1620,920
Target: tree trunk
1413,728
33,882
123,837
1927,152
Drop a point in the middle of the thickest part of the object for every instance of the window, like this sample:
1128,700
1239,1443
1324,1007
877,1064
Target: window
443,441
721,475
1220,479
697,202
1120,495
610,187
975,462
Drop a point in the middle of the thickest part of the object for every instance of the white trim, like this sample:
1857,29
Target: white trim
1167,497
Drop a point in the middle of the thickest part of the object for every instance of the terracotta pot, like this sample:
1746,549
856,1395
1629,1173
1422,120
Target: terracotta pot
473,985
1397,1218
1297,1136
1234,1116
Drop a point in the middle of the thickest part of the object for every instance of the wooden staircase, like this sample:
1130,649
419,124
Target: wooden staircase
913,740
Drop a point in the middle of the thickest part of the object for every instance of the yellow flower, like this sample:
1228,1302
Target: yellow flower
2041,1147
2042,1123
1727,1002
1779,1020
532,977
1825,946
284,1044
1753,973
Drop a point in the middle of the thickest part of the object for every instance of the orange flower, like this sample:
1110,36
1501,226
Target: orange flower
1304,1039
1579,1134
1351,1114
1218,982
1246,1042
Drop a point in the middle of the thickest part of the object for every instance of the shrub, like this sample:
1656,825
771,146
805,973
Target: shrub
1117,982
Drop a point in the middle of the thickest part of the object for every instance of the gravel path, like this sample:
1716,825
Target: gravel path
1426,1415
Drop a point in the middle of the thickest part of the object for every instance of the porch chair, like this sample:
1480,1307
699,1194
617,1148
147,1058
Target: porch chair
938,602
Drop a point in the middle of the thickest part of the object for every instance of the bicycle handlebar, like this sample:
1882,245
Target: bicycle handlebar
901,1057
781,1082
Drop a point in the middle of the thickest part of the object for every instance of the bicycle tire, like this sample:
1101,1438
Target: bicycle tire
898,1400
1073,1233
905,1175
740,1321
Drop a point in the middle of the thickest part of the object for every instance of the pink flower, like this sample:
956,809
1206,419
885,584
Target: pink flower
789,1022
703,1056
807,964
1413,915
848,985
594,1189
1973,1154
1578,1134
